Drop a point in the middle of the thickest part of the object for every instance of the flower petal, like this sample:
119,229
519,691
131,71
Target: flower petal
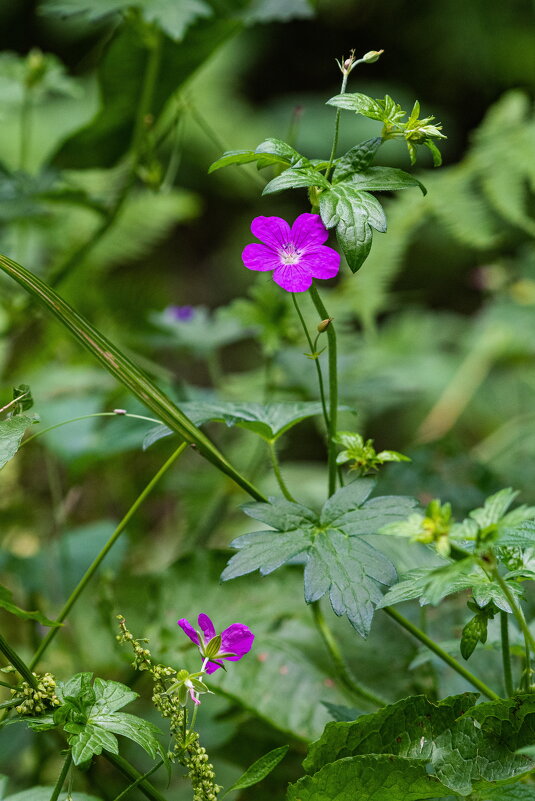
260,257
292,277
236,639
321,262
188,629
206,626
211,667
274,231
308,230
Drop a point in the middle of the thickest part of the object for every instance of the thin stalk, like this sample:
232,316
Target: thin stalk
341,667
138,781
278,475
25,127
11,703
91,570
5,684
517,611
506,654
86,417
61,778
128,770
316,361
433,646
14,659
333,388
147,94
336,128
126,372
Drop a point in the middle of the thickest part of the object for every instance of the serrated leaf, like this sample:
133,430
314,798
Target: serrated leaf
357,159
359,103
135,728
407,728
342,207
6,602
281,514
260,769
11,434
265,551
245,157
296,178
281,150
110,696
78,686
91,741
381,777
387,179
340,713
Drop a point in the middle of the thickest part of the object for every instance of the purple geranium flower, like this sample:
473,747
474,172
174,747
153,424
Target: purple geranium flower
236,641
296,255
181,313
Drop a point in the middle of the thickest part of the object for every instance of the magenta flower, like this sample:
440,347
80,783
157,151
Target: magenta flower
296,255
233,642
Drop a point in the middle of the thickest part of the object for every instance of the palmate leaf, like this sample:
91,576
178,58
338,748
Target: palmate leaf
377,777
338,561
269,421
11,434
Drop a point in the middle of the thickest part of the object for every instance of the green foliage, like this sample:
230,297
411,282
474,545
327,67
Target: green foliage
11,434
260,769
466,748
476,630
361,454
6,602
338,561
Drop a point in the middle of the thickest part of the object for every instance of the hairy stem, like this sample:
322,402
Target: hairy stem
316,361
342,670
91,570
433,646
506,654
333,388
14,659
278,475
61,778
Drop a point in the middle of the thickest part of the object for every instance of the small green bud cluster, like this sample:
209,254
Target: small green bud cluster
39,699
187,749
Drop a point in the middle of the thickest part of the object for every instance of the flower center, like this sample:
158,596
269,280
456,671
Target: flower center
289,254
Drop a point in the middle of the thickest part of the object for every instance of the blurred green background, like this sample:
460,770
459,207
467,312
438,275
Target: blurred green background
437,330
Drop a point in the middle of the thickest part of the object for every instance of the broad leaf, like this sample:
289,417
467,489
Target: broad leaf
110,696
296,178
90,741
338,561
260,769
135,728
11,434
6,602
381,777
387,179
354,214
357,159
407,728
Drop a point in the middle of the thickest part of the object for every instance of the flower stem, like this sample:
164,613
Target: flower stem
61,778
316,361
131,772
517,612
88,575
336,129
433,646
333,388
341,667
138,781
278,475
506,654
86,417
14,659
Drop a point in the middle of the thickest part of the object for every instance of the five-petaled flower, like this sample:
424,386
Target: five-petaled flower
233,642
296,255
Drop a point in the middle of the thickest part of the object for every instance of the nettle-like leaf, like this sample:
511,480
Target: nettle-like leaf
493,524
270,421
467,748
353,213
431,585
11,434
338,562
89,716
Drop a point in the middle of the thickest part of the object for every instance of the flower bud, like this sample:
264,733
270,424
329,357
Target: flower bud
371,56
323,326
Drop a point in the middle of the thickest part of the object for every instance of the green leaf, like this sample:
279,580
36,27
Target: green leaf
296,178
231,157
260,769
338,561
380,777
387,179
407,728
343,207
6,602
77,687
22,399
42,793
110,696
11,434
360,104
135,728
282,150
121,72
357,159
276,11
90,741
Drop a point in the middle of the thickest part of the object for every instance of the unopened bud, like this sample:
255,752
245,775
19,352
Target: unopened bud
119,411
372,56
323,326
